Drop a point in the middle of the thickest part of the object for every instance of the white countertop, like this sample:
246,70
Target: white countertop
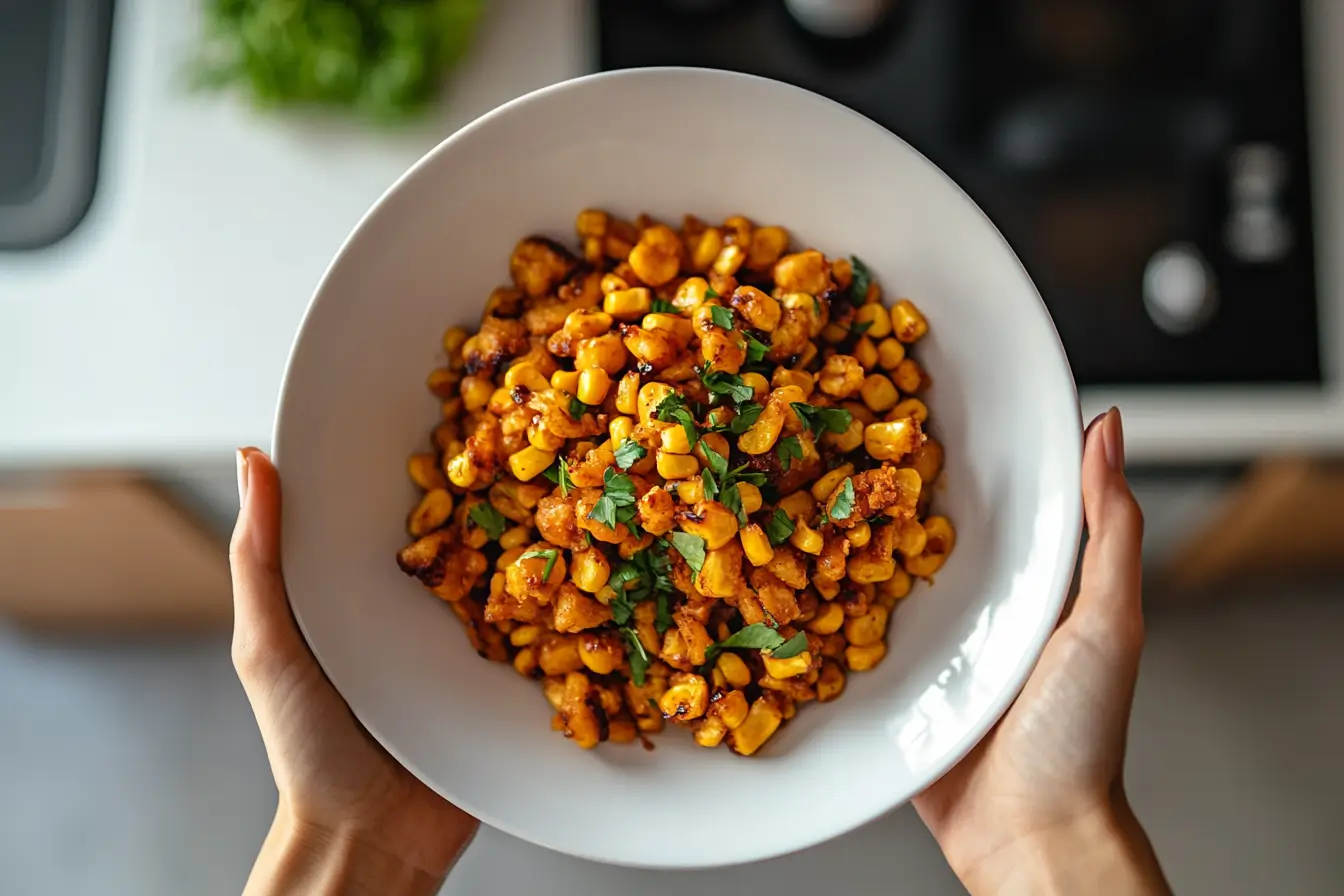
156,335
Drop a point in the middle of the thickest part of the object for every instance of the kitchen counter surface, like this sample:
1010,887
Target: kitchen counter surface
156,335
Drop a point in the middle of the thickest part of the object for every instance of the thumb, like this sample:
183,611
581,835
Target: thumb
265,637
1109,609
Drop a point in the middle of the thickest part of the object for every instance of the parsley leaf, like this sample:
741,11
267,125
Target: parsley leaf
711,487
484,515
737,475
721,316
730,384
639,659
844,502
628,453
711,294
791,648
731,498
691,548
549,555
647,574
863,278
577,408
779,528
755,349
663,621
821,420
860,328
662,306
788,447
617,502
673,408
718,464
747,415
558,473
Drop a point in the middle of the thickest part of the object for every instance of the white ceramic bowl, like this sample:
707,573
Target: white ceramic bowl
670,141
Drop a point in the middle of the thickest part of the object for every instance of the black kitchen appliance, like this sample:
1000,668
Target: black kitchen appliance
1147,159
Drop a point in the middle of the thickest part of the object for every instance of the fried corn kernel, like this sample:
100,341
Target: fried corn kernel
729,334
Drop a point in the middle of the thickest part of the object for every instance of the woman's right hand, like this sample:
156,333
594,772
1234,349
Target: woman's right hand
1039,806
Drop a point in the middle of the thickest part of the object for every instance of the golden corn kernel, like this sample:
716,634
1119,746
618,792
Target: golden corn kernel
558,656
864,570
870,628
927,460
524,635
686,699
911,408
941,539
542,438
678,326
584,323
453,340
525,661
756,545
675,441
879,393
566,381
627,393
675,466
907,322
525,375
859,534
713,522
710,732
865,352
896,587
763,434
826,586
798,504
591,222
831,682
462,471
828,620
759,384
606,351
628,304
621,731
656,258
515,537
801,379
729,259
589,570
734,669
593,385
891,441
750,495
501,402
787,668
861,659
692,491
600,655
423,468
821,490
763,719
530,462
805,538
877,318
908,376
620,429
443,382
612,283
767,245
435,506
476,392
911,538
651,395
890,352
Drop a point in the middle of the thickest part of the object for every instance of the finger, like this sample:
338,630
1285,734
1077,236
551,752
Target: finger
264,632
1110,594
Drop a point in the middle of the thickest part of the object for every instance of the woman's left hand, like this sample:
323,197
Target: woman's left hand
350,818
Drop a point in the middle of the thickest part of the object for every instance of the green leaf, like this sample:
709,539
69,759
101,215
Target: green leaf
628,453
757,636
721,316
711,488
787,448
779,528
731,498
718,464
791,648
549,555
730,384
756,350
691,548
577,408
484,515
673,409
617,502
662,306
558,473
844,502
711,294
639,659
860,328
858,287
747,415
821,420
663,620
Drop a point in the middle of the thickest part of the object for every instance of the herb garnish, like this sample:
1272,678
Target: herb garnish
628,453
484,515
779,528
617,504
821,420
550,555
787,448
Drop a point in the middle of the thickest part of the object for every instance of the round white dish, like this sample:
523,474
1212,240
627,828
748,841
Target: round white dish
671,141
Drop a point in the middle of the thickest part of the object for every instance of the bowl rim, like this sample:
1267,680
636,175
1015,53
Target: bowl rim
1065,562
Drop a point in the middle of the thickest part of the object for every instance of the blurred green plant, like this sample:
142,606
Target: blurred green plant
384,59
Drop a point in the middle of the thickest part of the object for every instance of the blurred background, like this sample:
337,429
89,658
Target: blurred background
174,178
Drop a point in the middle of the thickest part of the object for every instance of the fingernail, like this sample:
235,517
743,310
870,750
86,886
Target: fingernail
1088,429
1113,441
242,476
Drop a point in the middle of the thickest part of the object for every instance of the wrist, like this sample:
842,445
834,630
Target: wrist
302,857
1101,850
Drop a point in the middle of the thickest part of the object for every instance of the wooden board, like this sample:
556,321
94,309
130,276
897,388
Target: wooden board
107,551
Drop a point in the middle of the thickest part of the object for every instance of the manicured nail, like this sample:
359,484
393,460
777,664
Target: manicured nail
1113,441
1095,420
242,476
